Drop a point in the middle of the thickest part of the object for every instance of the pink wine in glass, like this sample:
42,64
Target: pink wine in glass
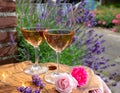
32,36
58,40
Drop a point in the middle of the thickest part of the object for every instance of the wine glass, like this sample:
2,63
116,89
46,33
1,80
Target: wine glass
59,36
32,22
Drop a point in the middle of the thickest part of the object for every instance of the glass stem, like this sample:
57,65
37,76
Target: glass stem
36,56
58,61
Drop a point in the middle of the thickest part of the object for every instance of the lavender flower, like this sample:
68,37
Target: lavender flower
28,90
38,26
28,56
83,15
94,48
37,81
37,91
43,15
18,1
58,1
113,65
21,89
114,84
62,12
25,89
12,39
68,24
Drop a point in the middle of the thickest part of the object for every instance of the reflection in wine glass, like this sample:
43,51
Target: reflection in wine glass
60,35
31,18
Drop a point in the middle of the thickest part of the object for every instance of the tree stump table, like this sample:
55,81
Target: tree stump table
13,76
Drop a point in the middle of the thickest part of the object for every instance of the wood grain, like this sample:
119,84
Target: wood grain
14,76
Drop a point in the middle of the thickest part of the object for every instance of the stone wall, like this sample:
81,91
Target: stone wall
8,34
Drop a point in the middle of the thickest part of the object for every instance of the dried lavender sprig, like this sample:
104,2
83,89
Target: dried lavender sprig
37,81
25,89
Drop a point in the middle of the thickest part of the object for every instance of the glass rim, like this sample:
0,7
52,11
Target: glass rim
59,29
46,4
35,4
66,31
58,4
36,28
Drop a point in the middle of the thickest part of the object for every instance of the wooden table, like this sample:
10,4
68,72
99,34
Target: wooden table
12,76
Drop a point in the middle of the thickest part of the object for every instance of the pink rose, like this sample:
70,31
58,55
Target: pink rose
118,16
115,21
114,30
64,83
80,74
104,23
99,22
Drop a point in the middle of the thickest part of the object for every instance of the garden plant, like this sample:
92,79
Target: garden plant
116,22
105,14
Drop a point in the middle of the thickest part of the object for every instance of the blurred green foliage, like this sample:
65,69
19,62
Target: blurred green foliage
106,14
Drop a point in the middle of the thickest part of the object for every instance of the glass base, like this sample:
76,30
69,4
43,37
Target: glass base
36,69
51,76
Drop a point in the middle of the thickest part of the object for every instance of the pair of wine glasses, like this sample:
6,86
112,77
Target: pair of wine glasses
51,23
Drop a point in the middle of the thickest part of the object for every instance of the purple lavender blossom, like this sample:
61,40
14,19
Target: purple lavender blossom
93,49
19,1
74,38
21,89
38,26
58,1
106,81
28,90
12,39
44,15
37,91
84,16
57,20
68,24
62,12
37,81
28,56
113,65
114,84
25,89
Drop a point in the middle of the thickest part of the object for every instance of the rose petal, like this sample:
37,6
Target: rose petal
80,74
65,83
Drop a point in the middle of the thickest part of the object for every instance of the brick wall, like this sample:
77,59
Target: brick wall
8,34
